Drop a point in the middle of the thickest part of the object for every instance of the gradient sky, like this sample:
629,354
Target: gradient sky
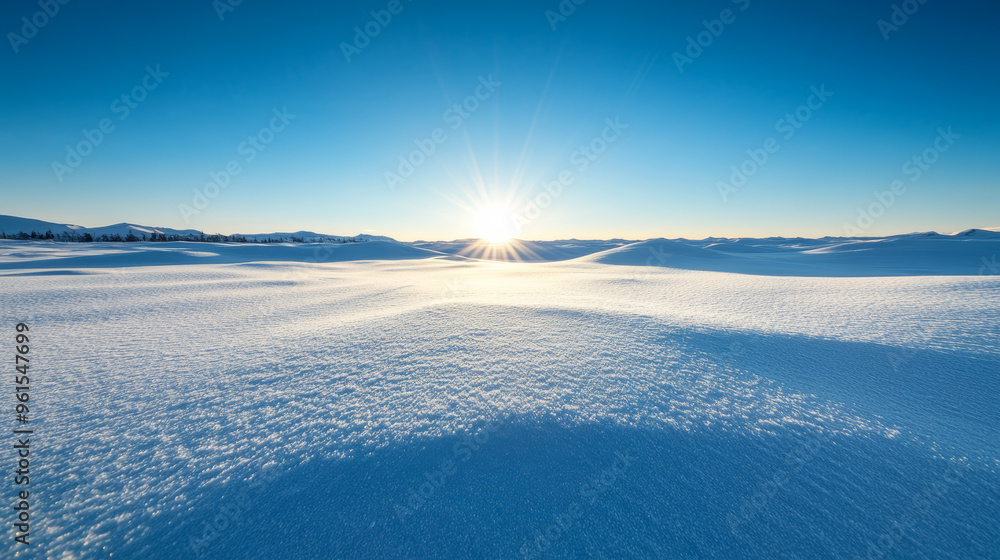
325,171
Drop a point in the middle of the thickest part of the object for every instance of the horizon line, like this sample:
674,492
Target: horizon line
160,229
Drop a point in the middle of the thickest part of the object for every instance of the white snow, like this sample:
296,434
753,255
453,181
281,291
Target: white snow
723,398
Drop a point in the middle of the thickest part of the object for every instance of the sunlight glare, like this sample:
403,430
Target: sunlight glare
494,224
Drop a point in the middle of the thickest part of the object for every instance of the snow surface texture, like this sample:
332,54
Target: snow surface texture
390,402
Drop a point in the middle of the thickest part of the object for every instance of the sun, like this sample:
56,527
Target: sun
494,224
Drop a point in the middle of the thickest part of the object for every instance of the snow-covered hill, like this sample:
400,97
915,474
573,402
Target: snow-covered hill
906,255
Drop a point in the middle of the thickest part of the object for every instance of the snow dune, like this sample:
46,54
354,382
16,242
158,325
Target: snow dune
47,255
968,253
391,401
892,256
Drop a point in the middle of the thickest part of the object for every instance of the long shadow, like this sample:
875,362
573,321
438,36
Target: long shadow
542,490
953,395
538,488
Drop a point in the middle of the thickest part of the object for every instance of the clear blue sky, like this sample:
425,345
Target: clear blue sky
551,91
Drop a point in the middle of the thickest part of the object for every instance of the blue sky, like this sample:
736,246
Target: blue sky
197,86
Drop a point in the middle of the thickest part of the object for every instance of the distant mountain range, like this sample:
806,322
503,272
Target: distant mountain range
13,225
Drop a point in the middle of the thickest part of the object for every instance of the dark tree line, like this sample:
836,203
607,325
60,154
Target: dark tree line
67,237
